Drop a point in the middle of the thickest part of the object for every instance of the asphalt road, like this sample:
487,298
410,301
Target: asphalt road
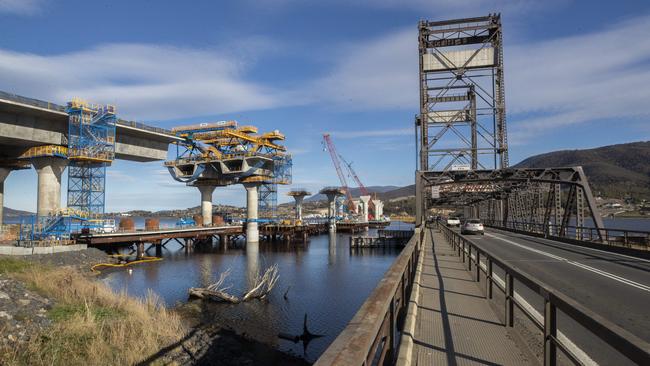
615,286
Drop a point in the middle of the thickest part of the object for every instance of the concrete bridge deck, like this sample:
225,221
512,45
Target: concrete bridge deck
454,323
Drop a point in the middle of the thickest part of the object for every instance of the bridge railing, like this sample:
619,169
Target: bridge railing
483,262
635,239
372,336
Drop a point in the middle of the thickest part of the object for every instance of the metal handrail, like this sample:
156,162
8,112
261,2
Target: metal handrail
610,236
372,336
629,345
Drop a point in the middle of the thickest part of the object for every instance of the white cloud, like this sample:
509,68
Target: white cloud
144,81
596,76
20,7
378,73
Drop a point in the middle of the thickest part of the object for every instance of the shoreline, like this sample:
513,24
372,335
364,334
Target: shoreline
30,311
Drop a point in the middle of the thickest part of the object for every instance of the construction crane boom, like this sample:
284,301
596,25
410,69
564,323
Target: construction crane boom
337,164
364,191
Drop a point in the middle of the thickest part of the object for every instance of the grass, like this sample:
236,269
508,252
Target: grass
13,265
91,324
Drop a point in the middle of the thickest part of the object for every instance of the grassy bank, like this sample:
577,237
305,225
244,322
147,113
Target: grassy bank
91,324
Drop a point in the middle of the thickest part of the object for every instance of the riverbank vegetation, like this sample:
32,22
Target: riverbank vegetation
90,324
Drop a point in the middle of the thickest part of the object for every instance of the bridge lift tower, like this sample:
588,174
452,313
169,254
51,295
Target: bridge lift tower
462,140
462,98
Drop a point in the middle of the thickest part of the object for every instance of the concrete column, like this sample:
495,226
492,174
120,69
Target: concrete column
299,200
206,203
49,170
331,211
365,200
252,232
4,173
378,209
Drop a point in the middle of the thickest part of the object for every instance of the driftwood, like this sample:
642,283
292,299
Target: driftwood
262,286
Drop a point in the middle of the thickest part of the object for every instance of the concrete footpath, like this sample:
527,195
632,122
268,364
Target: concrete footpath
452,322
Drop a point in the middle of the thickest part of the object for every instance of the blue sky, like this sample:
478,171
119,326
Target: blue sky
577,76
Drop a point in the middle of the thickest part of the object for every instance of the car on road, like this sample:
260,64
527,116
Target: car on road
453,221
472,226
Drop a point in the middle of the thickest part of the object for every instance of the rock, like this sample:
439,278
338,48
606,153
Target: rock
24,302
4,314
3,295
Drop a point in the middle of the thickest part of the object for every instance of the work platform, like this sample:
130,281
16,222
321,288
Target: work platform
154,236
454,323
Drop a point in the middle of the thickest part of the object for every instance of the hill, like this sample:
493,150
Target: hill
614,171
356,192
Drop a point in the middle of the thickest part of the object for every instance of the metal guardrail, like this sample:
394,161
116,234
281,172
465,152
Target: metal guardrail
636,239
629,345
372,336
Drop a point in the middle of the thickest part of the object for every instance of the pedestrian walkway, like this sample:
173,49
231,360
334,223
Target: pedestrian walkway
454,323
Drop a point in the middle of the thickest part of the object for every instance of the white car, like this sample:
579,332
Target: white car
453,221
472,226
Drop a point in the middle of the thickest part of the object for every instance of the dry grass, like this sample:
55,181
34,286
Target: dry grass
92,325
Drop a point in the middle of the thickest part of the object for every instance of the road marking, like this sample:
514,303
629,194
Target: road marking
577,264
598,250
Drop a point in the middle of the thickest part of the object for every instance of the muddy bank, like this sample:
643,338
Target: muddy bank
30,313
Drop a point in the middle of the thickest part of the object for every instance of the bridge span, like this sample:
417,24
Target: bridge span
501,299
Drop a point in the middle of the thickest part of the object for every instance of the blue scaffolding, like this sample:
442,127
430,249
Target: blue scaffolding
267,202
91,147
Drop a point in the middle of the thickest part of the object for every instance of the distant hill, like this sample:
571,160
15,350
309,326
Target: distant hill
10,212
356,192
613,171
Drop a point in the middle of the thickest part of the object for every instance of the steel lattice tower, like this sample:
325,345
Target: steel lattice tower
462,98
91,147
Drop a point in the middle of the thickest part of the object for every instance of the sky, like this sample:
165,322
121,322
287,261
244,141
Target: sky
577,76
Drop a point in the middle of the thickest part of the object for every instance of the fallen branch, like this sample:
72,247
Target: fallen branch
262,286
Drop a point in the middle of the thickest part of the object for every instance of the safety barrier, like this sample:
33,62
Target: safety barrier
635,239
372,336
629,345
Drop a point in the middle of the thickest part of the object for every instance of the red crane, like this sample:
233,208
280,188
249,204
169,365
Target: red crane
337,164
364,191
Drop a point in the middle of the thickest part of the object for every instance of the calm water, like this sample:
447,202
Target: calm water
326,281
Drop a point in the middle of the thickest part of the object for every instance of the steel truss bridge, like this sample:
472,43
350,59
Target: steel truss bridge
577,290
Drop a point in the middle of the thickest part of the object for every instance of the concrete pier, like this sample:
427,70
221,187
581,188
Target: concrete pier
365,200
4,173
379,209
49,170
252,232
206,203
332,193
298,195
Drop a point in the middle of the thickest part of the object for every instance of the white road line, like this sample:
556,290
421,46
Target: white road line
577,264
598,250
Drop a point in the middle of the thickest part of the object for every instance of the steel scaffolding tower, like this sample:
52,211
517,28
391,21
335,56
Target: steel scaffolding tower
462,97
91,147
267,205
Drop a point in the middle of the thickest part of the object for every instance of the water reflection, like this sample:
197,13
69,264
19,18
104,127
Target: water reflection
332,248
321,278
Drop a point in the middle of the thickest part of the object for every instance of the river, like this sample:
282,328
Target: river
324,279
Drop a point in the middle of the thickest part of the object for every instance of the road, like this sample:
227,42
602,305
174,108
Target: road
615,286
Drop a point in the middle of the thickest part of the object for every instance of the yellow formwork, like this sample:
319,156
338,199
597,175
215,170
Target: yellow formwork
45,150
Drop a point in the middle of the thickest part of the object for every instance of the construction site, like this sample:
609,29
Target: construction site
207,156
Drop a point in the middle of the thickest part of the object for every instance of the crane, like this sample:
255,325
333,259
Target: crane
337,164
364,190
